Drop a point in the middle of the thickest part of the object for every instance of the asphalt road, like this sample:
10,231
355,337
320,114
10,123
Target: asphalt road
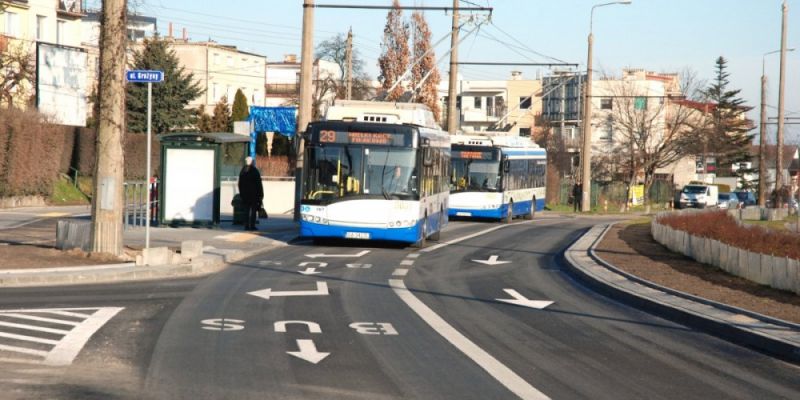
387,322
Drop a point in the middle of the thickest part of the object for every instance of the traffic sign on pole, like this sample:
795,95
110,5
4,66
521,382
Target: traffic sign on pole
149,77
144,76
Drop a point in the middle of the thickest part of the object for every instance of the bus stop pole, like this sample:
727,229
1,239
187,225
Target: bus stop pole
147,172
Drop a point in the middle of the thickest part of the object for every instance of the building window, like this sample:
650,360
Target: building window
477,102
525,103
525,132
214,93
41,22
216,58
12,24
640,103
606,104
61,33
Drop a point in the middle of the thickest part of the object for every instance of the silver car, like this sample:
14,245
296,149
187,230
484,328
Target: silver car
727,201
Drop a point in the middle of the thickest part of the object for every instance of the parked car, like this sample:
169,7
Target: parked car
746,198
728,201
700,196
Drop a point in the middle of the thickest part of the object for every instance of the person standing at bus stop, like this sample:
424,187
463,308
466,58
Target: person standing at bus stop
577,196
251,192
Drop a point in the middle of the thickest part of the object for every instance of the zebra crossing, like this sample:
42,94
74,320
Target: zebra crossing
49,336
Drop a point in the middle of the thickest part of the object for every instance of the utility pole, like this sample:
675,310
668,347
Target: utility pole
109,176
452,117
304,115
781,85
762,142
586,149
349,64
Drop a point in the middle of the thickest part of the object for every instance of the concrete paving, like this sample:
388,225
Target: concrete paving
220,245
777,337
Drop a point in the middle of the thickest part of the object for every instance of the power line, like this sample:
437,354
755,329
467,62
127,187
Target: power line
525,46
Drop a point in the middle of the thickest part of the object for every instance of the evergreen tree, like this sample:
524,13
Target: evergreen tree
170,97
221,119
240,109
203,122
728,136
425,68
394,59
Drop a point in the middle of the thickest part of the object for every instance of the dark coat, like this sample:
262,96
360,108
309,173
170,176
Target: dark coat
250,188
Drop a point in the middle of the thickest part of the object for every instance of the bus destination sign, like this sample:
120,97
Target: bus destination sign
373,138
472,154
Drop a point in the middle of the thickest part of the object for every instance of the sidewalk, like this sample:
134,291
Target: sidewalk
777,337
225,244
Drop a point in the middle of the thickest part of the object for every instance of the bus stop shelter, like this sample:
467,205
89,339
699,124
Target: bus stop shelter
192,164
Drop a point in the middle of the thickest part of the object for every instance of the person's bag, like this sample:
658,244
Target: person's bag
262,213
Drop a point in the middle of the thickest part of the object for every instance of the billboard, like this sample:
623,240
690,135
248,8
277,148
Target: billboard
61,82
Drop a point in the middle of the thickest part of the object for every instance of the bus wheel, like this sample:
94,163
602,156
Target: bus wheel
435,236
421,242
510,214
531,214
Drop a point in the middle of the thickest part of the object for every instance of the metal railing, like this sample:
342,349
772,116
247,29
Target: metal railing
136,195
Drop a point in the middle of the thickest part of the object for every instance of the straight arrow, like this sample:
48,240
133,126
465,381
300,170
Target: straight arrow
322,290
492,261
310,271
308,351
317,255
521,300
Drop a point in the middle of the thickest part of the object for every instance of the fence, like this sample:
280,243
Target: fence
135,201
777,272
615,194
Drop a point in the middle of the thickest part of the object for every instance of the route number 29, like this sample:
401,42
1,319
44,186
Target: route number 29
327,136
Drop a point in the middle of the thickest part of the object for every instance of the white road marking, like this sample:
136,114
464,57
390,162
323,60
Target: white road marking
313,327
68,313
317,263
520,300
222,324
308,351
68,348
374,328
309,271
492,261
23,350
34,328
407,262
495,368
317,255
322,290
40,319
476,234
363,266
413,255
28,338
400,272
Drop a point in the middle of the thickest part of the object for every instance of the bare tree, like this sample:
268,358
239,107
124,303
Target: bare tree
17,71
650,129
334,49
395,57
425,73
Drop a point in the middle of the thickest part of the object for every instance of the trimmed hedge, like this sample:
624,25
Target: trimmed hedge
721,226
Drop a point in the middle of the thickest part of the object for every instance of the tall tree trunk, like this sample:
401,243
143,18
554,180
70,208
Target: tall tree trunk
109,175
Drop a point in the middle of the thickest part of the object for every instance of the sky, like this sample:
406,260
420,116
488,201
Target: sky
657,35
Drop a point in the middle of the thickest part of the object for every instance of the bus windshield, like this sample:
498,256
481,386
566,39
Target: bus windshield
342,171
475,175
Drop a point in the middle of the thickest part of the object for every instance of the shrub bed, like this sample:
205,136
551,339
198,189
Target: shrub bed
721,226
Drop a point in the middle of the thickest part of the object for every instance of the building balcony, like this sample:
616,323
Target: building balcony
282,89
70,8
490,114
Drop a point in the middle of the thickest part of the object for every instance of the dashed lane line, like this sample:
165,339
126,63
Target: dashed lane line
479,233
407,262
400,272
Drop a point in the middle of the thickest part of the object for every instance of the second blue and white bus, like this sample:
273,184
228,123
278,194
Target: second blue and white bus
375,171
497,177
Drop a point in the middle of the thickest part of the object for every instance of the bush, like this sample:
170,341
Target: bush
135,149
83,154
721,226
274,166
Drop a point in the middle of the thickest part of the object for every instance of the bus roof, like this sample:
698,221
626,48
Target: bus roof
494,141
382,112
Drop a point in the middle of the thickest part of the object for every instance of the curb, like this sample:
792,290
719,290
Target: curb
213,260
770,335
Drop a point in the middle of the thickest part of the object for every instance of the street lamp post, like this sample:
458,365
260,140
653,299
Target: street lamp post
586,151
762,133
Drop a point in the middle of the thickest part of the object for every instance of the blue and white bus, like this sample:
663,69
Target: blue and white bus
498,177
375,171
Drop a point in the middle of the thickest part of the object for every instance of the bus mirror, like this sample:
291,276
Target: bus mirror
427,156
506,166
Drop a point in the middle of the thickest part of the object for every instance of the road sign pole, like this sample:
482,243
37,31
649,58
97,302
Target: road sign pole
147,173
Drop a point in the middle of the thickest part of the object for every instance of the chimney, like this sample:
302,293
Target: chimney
516,75
290,58
184,35
169,30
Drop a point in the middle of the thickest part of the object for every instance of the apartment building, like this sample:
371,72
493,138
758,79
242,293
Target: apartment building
509,105
283,83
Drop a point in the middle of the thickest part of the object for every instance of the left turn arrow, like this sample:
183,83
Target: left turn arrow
322,290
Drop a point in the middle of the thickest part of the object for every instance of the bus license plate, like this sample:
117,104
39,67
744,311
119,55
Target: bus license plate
463,214
356,235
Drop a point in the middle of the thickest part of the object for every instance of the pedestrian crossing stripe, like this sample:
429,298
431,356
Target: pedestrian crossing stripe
49,336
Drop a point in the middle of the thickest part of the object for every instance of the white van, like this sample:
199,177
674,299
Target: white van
699,196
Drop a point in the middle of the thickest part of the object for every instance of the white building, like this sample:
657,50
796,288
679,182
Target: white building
283,82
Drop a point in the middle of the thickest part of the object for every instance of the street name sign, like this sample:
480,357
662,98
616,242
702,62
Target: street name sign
144,76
